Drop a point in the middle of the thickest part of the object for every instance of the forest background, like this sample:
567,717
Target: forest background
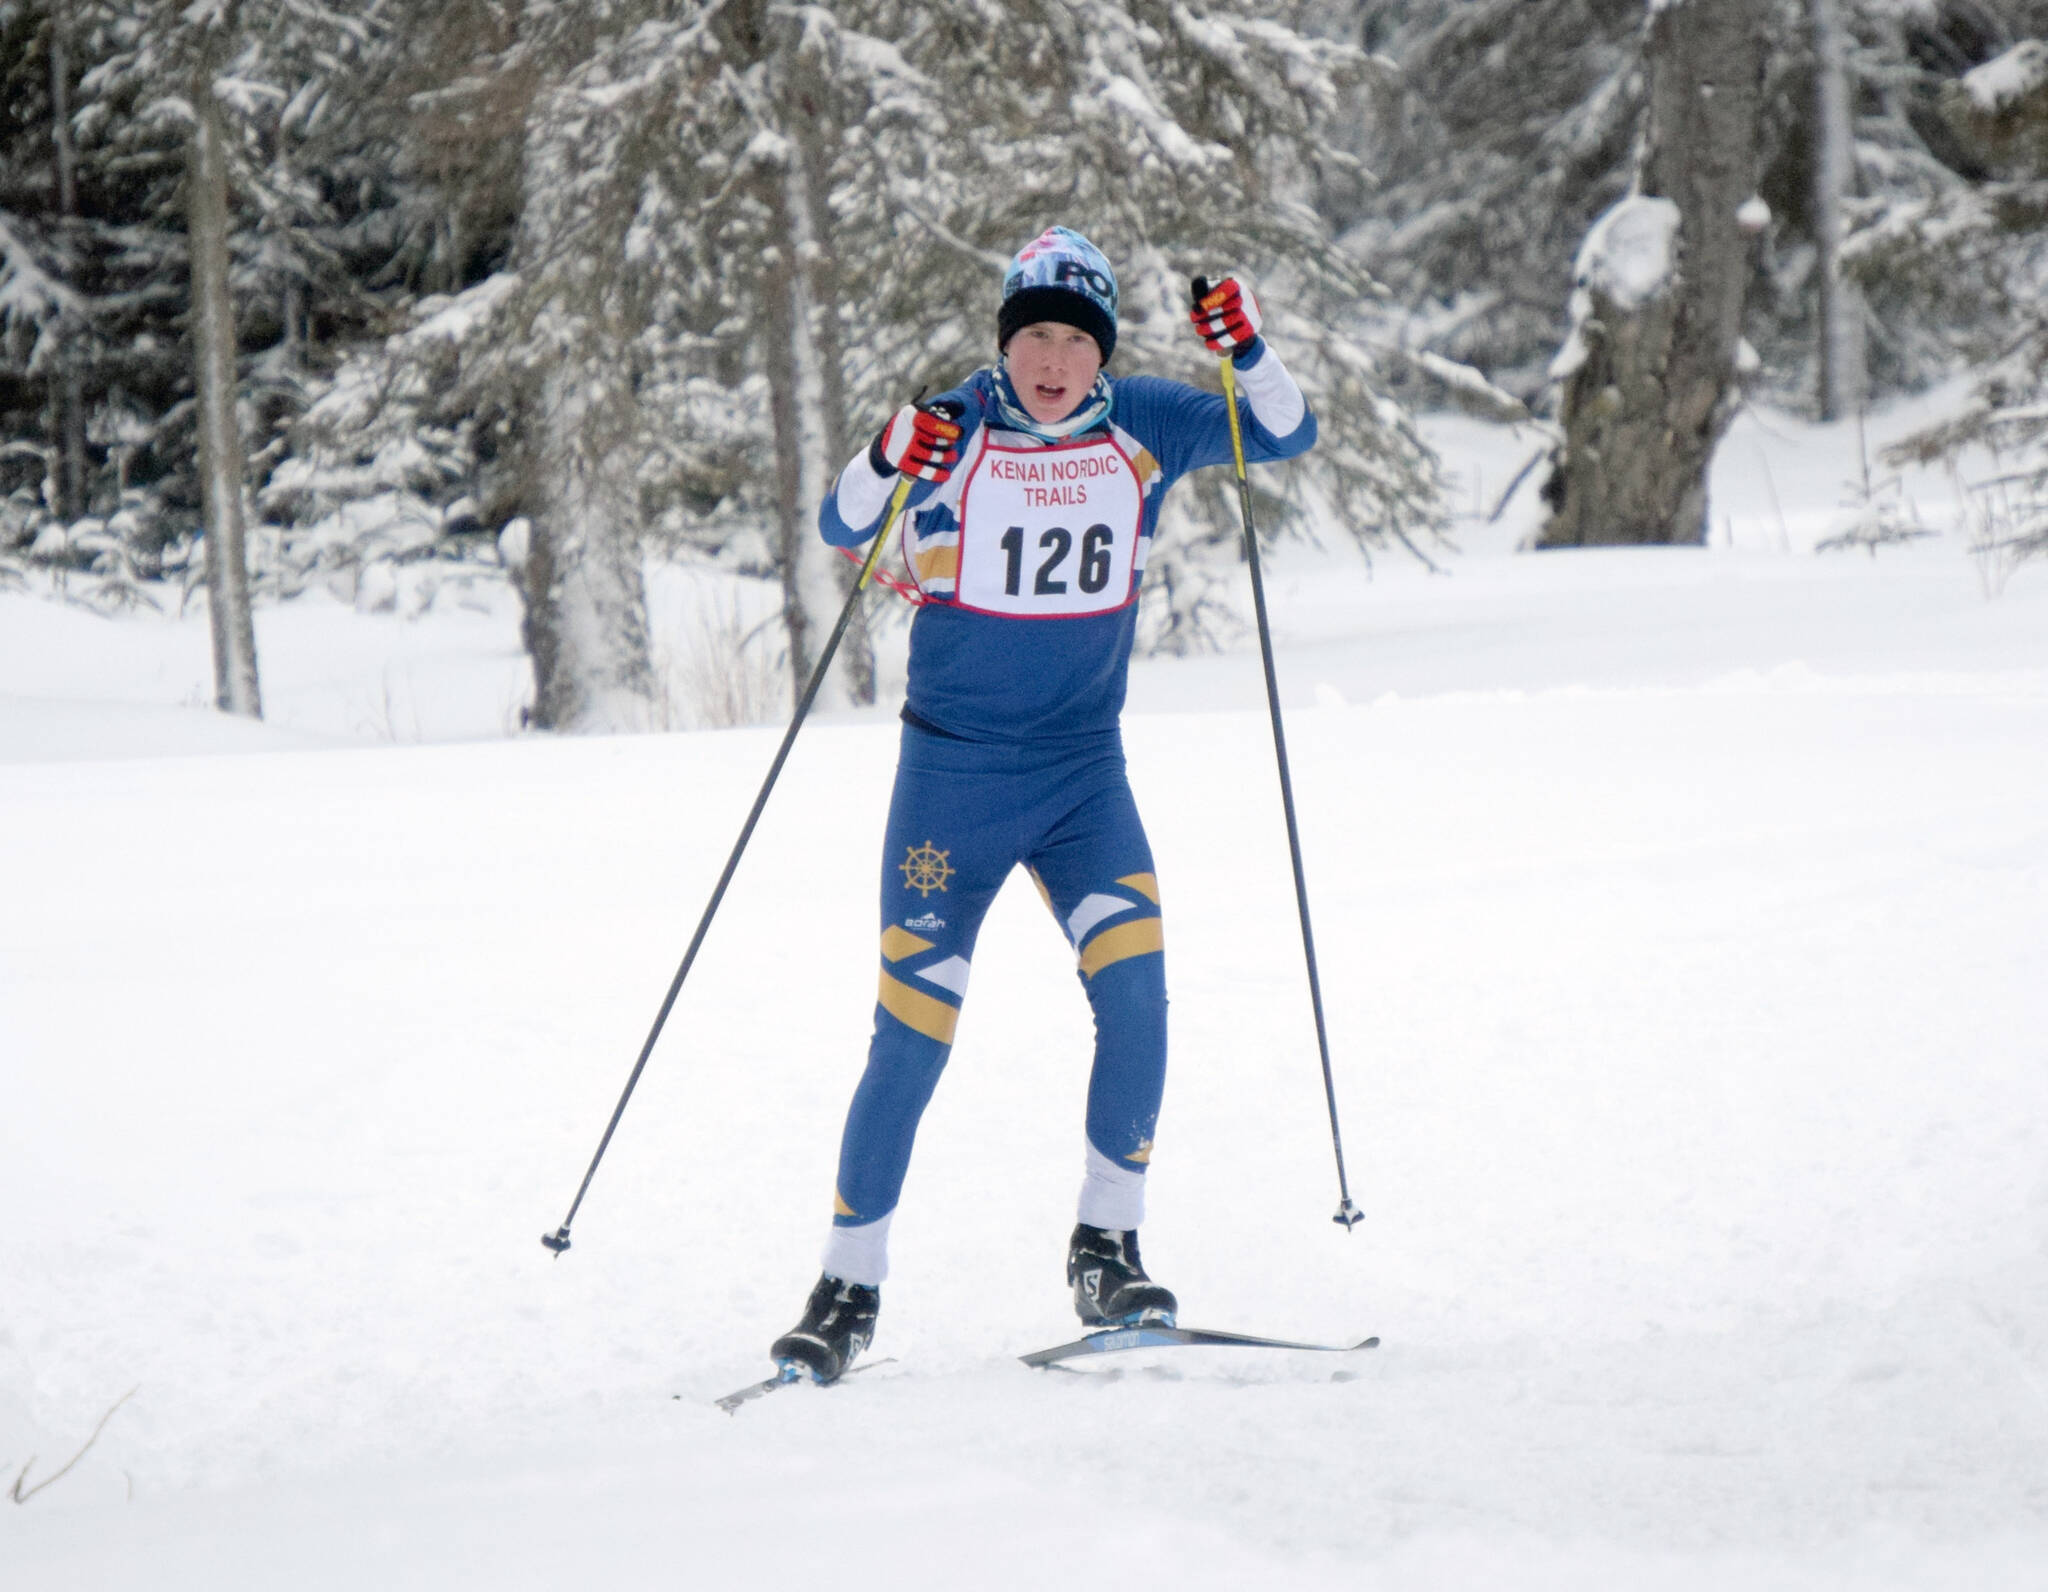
398,298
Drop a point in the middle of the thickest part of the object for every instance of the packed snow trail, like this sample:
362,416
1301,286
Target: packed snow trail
1680,921
1691,1041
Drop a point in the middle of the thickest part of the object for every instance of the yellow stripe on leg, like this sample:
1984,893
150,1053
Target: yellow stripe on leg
918,1011
899,943
1122,943
840,1207
1146,884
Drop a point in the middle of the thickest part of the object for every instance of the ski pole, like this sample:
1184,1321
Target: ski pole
1347,1213
558,1240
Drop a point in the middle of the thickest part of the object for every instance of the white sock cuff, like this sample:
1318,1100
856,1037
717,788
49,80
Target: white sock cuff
860,1254
1112,1196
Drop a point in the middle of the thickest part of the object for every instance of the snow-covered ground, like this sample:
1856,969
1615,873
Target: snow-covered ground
1680,915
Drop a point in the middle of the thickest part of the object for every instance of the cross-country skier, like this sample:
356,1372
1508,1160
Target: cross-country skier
1039,482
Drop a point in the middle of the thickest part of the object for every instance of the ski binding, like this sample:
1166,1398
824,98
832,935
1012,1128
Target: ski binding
787,1374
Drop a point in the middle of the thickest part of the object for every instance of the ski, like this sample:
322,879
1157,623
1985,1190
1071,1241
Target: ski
1110,1340
785,1376
1114,1340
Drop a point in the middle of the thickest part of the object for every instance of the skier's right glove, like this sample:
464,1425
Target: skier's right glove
919,440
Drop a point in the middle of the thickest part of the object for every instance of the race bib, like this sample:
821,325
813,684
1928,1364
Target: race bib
1049,533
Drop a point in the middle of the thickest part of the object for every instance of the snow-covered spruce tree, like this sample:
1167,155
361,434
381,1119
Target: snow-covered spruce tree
1513,127
1650,370
48,101
609,388
802,79
35,303
198,96
1900,173
44,308
1517,125
68,383
582,333
680,282
91,359
71,471
417,158
1918,203
2000,110
445,140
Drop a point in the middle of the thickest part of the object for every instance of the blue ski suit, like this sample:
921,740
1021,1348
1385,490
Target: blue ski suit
1029,557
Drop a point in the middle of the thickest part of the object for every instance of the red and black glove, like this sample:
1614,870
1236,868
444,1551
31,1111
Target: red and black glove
1226,316
919,440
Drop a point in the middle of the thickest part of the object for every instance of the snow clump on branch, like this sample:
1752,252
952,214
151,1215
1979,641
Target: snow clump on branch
2009,78
1627,260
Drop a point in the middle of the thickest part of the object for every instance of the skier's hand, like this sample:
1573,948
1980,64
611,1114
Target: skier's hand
1226,316
919,440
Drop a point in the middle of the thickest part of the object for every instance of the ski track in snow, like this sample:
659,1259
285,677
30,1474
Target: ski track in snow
1679,916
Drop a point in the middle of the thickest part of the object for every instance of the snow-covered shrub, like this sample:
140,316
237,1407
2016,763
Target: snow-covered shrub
20,514
2005,524
1876,513
723,666
21,517
112,583
1999,105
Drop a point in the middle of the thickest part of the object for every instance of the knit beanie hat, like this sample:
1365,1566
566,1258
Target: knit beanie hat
1059,276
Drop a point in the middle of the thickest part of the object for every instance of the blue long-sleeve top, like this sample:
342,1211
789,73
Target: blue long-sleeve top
1030,675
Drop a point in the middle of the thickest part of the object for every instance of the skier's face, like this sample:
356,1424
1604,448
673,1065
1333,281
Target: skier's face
1052,366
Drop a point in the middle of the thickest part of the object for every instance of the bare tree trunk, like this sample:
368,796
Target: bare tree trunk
586,602
292,312
220,444
856,650
814,589
1841,305
1654,385
72,463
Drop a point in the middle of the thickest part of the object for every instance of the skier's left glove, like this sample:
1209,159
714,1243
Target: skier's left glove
1226,316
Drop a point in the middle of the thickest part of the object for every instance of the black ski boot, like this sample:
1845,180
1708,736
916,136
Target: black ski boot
839,1322
1110,1285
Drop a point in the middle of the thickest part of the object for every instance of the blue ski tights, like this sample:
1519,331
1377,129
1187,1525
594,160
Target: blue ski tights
963,814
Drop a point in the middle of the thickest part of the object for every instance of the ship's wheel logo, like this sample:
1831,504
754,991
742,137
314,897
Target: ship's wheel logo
926,869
